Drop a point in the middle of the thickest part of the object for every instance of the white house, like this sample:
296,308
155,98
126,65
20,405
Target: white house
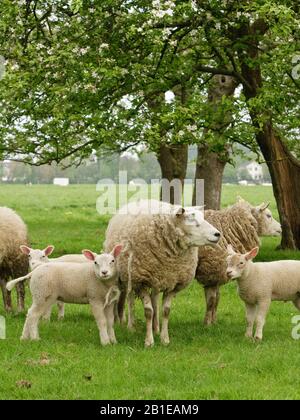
255,171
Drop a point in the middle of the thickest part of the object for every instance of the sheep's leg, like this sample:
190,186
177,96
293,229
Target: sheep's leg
99,314
148,310
21,296
61,310
214,314
109,312
30,330
6,296
262,311
211,304
121,306
155,304
131,317
250,316
47,314
167,300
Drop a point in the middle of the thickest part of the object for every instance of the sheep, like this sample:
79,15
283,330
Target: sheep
38,257
94,283
240,225
13,233
160,254
261,283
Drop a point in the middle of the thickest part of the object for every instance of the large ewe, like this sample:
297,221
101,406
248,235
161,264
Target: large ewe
261,283
240,225
13,233
94,283
160,253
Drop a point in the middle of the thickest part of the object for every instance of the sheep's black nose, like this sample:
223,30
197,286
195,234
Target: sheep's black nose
217,234
104,273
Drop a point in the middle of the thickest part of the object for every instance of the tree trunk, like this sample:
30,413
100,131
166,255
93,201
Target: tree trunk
283,166
173,160
285,173
210,165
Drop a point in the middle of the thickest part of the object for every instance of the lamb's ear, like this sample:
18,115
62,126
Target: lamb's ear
230,250
49,250
263,206
239,199
117,250
89,255
25,249
180,212
252,254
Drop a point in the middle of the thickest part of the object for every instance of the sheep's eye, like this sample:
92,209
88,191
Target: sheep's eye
113,261
96,263
241,263
269,216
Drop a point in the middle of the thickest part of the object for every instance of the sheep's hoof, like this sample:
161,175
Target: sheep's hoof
249,336
258,339
149,343
131,327
165,341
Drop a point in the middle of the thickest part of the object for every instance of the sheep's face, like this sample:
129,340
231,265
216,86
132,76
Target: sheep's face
237,264
37,256
198,231
105,265
267,225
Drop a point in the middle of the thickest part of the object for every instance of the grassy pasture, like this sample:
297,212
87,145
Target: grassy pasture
200,363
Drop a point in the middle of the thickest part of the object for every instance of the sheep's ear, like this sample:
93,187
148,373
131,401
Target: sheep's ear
25,249
117,250
180,212
239,199
263,206
230,250
89,255
49,250
252,254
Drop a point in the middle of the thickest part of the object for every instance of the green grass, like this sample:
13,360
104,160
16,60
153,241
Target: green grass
200,363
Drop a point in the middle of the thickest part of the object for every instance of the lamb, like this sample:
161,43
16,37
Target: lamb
94,283
240,225
160,254
13,233
261,283
38,257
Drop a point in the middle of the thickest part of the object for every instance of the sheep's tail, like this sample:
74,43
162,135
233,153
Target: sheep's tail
11,284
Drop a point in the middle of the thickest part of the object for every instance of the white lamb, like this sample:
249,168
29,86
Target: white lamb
261,283
94,283
38,257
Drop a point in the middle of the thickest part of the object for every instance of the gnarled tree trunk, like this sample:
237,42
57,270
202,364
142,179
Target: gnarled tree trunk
173,160
210,165
283,166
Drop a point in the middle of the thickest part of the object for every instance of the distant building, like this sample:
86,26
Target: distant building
252,171
61,182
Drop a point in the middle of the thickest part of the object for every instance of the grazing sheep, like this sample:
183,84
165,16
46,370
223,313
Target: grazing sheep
160,253
261,283
94,283
240,225
13,233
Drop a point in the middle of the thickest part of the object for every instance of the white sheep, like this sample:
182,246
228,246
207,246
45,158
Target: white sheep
38,257
261,283
241,225
94,283
160,254
13,233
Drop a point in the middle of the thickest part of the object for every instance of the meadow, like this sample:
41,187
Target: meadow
200,363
